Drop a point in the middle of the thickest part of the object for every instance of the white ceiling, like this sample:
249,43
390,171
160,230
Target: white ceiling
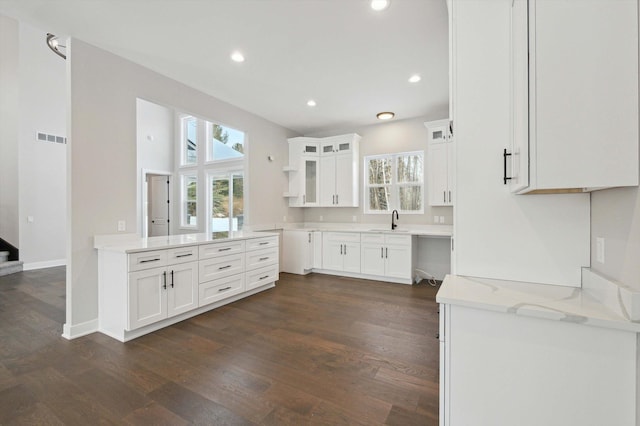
353,61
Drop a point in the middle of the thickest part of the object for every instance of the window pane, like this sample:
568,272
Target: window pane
380,171
379,198
224,143
190,139
190,204
238,202
410,198
220,204
410,168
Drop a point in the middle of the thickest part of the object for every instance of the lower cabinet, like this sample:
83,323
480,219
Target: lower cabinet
163,292
216,290
387,255
299,251
341,251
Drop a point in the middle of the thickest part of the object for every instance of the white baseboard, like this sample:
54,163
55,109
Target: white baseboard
78,330
45,264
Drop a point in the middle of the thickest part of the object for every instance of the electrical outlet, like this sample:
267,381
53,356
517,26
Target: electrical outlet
436,219
30,219
321,218
353,218
600,249
284,218
122,226
441,219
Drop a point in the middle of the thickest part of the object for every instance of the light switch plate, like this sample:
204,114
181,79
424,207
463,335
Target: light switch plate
122,226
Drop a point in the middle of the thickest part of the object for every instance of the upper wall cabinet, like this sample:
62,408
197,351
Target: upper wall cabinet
440,160
323,172
575,95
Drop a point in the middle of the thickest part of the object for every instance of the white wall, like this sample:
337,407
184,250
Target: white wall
42,165
615,216
9,130
103,164
384,138
32,173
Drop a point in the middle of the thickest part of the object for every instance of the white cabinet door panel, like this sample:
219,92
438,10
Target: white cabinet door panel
219,267
213,291
372,259
328,183
260,277
182,295
147,297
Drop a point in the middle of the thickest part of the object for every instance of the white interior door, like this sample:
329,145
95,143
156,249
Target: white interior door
158,205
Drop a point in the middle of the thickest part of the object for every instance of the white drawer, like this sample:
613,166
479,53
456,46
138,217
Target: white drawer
372,238
259,258
147,260
219,267
215,290
259,277
262,243
182,255
221,249
344,237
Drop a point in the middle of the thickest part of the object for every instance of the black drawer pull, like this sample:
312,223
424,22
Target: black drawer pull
225,249
263,258
505,154
262,278
224,289
184,255
224,267
264,242
149,260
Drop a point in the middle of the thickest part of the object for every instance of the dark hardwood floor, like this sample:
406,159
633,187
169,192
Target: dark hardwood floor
314,350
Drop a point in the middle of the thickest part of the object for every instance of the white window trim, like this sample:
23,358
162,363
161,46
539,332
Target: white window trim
182,135
208,124
394,185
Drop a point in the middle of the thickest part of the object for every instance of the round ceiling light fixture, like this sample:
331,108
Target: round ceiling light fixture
237,56
415,78
385,115
311,103
379,5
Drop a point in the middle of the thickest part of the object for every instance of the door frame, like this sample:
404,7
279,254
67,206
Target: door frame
144,229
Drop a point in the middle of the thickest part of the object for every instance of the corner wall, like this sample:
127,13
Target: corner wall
103,163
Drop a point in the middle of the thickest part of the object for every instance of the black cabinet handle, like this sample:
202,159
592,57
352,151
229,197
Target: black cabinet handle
264,277
171,279
505,154
225,249
224,289
381,252
340,248
149,260
224,267
164,280
184,255
263,258
386,253
264,242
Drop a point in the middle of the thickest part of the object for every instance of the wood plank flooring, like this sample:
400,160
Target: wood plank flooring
314,350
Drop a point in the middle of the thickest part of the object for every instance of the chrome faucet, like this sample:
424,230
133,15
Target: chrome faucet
394,225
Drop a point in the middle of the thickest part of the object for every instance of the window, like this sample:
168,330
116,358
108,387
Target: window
189,196
394,182
189,136
227,201
224,143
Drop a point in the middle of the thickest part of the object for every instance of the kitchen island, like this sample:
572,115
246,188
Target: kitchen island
149,283
534,354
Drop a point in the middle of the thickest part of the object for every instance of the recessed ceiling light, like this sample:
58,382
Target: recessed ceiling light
385,115
379,5
311,103
414,78
237,56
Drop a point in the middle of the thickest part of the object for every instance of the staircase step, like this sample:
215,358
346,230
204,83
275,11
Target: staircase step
10,267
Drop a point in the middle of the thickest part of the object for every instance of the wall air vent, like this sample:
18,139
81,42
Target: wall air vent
44,137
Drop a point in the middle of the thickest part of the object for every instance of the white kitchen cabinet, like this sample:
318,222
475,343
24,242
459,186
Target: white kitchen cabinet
339,170
498,234
298,251
440,160
387,255
341,251
575,96
323,172
159,293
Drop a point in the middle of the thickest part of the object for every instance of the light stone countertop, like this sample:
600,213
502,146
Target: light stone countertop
131,243
418,230
558,303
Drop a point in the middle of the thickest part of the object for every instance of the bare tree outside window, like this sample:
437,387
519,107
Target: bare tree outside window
395,181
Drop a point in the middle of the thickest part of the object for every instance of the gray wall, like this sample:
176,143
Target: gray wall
32,173
385,138
103,163
9,130
615,216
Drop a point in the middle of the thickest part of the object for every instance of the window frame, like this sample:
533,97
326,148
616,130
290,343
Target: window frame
208,160
183,118
394,186
226,173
